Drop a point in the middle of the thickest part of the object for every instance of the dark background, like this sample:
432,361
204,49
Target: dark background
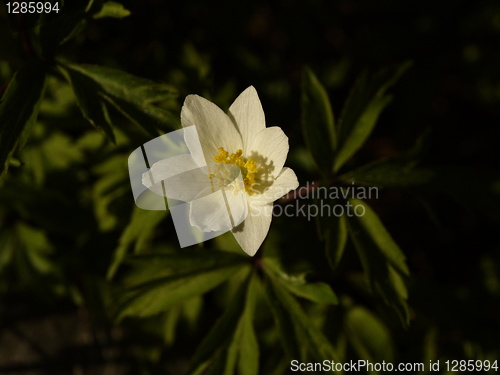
217,49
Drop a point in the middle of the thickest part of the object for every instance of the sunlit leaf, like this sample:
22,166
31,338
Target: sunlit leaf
112,9
245,338
291,335
382,259
49,151
160,294
59,100
137,99
113,184
368,335
316,292
170,323
189,310
169,262
93,108
299,336
195,61
36,247
366,102
138,232
168,279
140,92
297,284
232,343
19,109
29,250
317,121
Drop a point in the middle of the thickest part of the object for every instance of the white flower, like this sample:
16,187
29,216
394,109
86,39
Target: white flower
232,144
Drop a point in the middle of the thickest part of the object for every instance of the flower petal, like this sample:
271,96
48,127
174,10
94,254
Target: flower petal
269,150
192,141
238,207
182,178
251,233
248,116
214,212
214,127
210,213
285,182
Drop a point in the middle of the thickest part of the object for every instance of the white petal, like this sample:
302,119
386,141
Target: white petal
193,144
285,182
182,178
238,207
269,151
214,127
251,233
248,116
211,213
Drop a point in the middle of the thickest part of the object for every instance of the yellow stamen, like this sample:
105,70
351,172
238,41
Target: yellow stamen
247,167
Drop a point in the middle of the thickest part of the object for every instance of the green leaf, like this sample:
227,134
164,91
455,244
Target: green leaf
299,336
395,172
244,346
162,280
472,187
113,184
170,323
29,250
54,29
137,233
29,201
19,109
49,151
112,9
430,347
297,284
36,246
316,292
317,121
168,262
382,259
8,252
120,85
290,334
336,239
189,310
232,342
391,173
92,106
369,337
137,99
377,236
248,346
361,111
161,294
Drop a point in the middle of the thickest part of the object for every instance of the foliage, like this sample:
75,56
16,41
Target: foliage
400,283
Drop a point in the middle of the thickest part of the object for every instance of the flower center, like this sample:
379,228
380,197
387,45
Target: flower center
247,167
